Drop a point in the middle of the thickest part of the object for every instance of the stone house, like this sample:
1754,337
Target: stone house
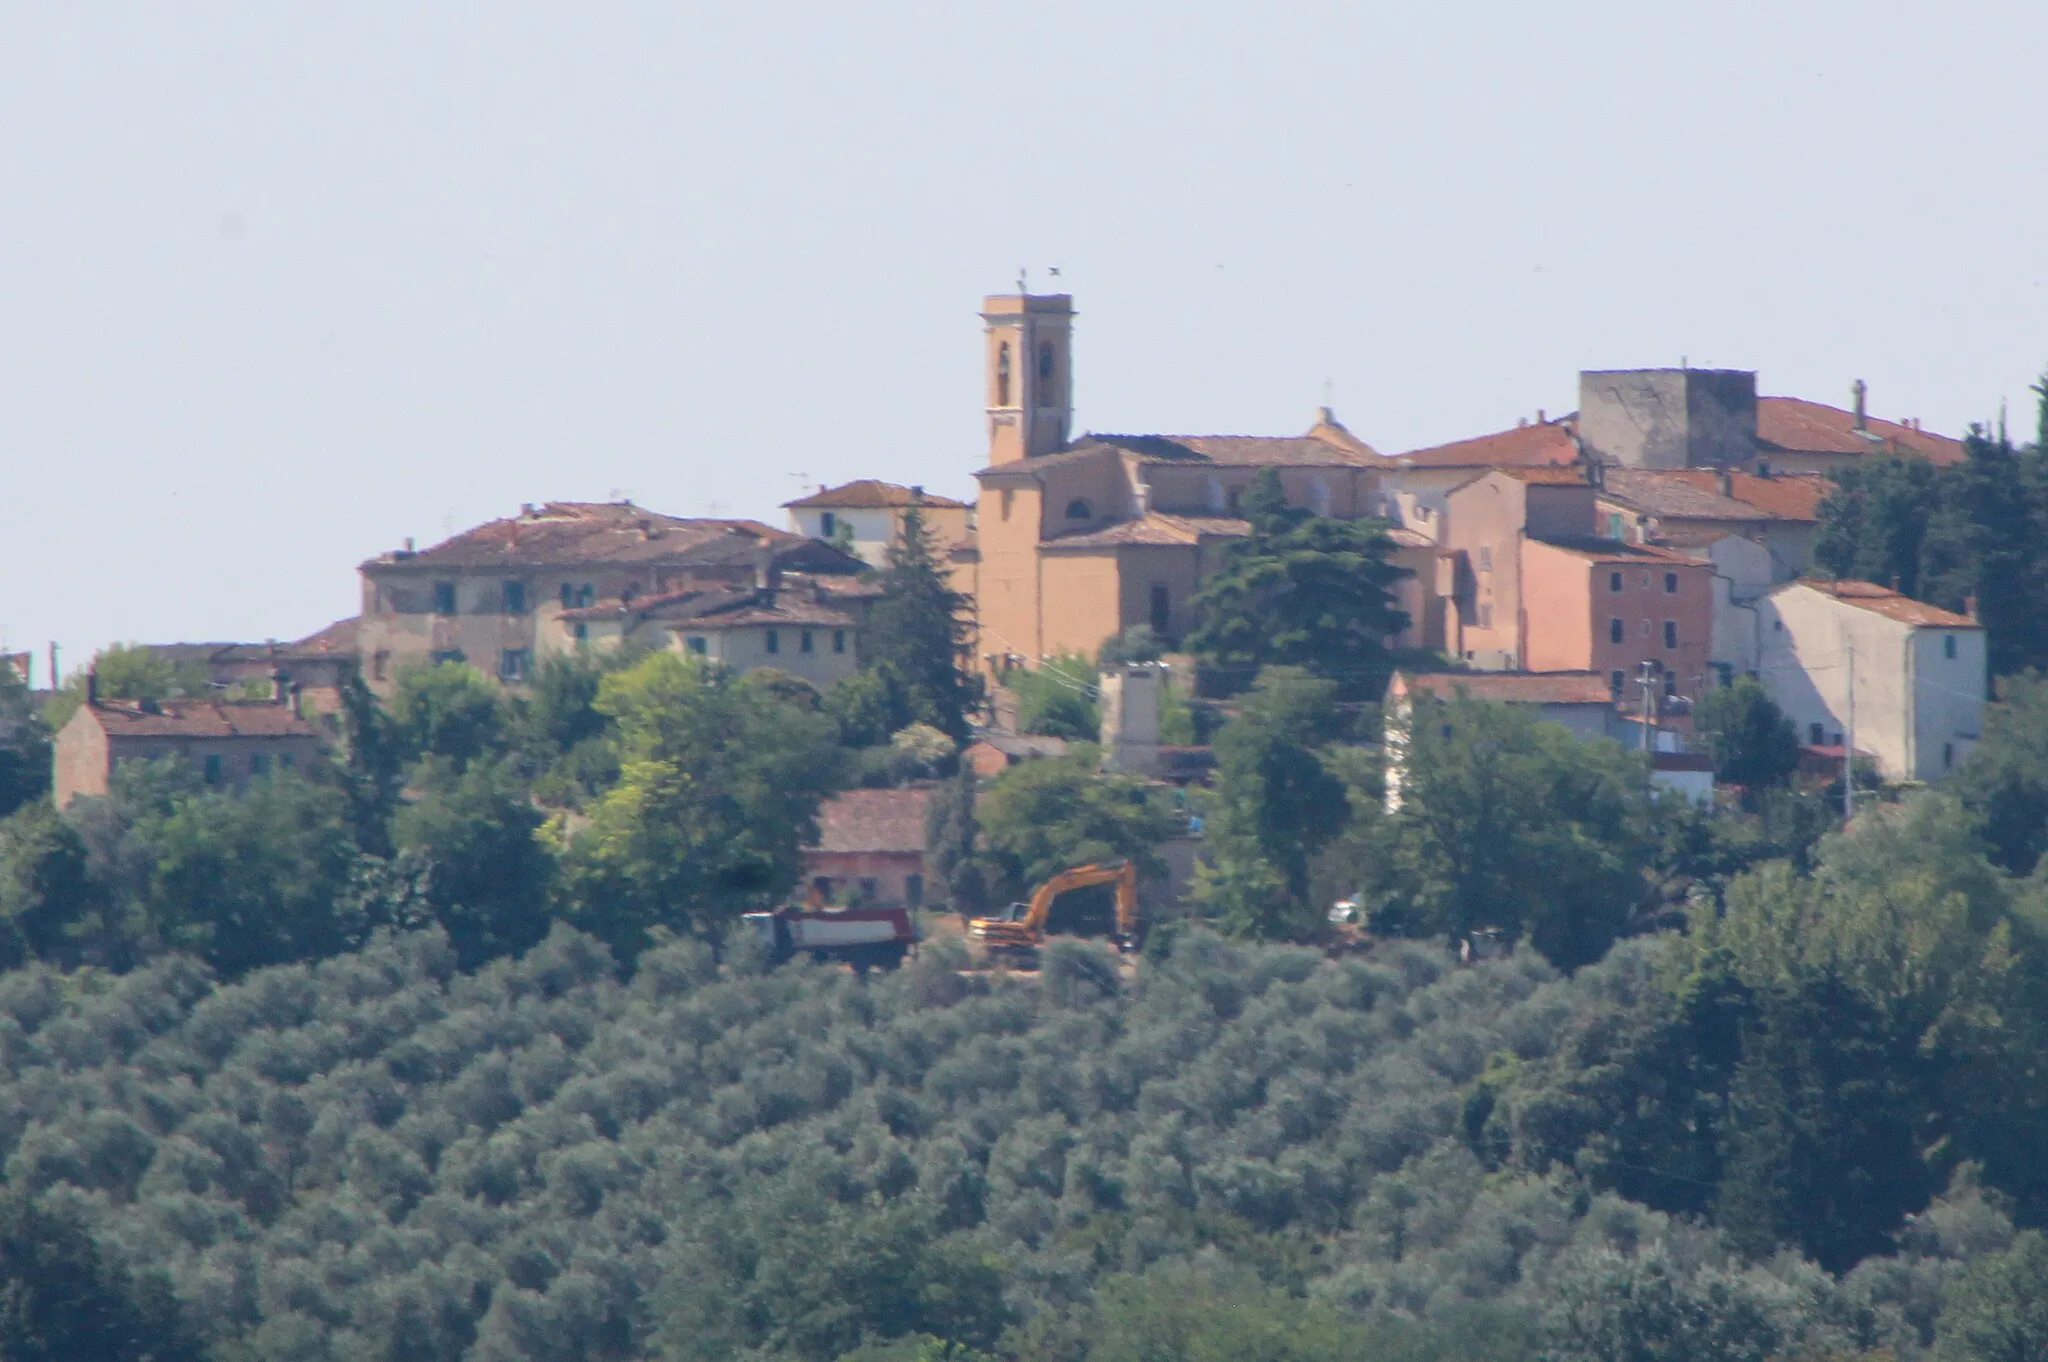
231,742
1077,540
870,849
866,517
1908,678
1779,511
796,627
1612,608
493,595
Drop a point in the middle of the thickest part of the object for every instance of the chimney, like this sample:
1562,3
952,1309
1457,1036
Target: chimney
408,543
92,685
766,575
526,510
1540,417
280,686
1970,608
1727,481
1858,391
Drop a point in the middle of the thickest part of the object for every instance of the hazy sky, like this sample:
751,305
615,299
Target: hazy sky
281,284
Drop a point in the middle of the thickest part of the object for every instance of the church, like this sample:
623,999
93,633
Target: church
1079,539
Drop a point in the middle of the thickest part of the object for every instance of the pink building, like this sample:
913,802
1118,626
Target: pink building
1602,606
870,848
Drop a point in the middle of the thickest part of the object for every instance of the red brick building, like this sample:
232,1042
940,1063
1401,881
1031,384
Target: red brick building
870,848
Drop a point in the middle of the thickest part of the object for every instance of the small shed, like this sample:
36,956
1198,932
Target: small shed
870,848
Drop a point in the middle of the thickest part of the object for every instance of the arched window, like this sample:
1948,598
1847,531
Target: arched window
1045,365
1077,509
1003,375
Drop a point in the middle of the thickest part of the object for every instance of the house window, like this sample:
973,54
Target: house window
1234,499
287,761
1161,613
1778,626
1045,364
1616,631
1486,558
695,643
1646,579
568,596
827,525
870,888
1671,633
586,595
803,641
213,770
512,664
444,598
774,641
1077,509
380,663
1486,614
1670,684
1003,374
448,657
258,763
515,598
1948,646
1671,584
1815,737
838,640
913,890
581,631
1614,524
1213,490
1615,681
1614,581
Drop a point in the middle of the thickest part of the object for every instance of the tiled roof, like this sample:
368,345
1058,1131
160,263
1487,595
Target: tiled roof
1405,538
873,820
567,533
1548,475
1335,448
791,614
1793,425
1155,528
1512,688
1695,494
201,719
873,493
1882,600
1547,442
337,638
1615,551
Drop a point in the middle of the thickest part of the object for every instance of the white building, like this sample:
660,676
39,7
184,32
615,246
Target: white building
866,517
1919,673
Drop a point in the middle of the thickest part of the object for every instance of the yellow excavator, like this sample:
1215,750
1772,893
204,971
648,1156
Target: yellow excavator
1023,927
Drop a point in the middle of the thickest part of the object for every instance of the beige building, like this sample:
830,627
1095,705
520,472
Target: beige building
795,625
494,595
1909,678
866,518
230,742
1078,540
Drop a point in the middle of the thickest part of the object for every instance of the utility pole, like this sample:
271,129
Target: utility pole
1649,702
1849,743
56,678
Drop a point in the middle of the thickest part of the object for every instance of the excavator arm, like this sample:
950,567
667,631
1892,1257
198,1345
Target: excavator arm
1029,930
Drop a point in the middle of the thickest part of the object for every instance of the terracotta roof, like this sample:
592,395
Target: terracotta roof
1155,528
1882,600
1615,551
872,493
873,820
201,719
1406,538
1548,442
1695,494
1329,445
1793,425
789,614
1512,688
337,638
569,533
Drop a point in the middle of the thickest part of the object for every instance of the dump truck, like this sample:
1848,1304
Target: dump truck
1022,928
866,938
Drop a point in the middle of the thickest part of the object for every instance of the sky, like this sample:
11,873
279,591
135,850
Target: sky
282,285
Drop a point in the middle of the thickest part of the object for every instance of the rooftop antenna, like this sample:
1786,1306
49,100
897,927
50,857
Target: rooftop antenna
1023,279
1053,271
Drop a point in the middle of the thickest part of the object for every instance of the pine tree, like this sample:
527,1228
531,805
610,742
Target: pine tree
915,634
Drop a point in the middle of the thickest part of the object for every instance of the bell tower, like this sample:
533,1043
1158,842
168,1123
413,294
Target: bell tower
1029,373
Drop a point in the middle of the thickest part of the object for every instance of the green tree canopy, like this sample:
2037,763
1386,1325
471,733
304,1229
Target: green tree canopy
24,745
62,1301
1276,806
720,781
1047,814
2004,780
1997,1309
1300,591
1057,698
1510,822
488,877
448,710
915,632
1749,737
